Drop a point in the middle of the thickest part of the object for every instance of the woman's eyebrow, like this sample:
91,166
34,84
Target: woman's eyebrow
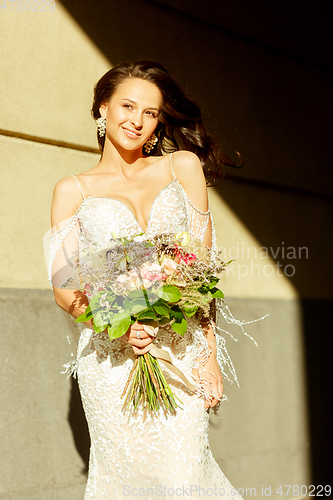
134,102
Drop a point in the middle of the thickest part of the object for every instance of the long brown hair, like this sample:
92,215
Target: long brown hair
180,121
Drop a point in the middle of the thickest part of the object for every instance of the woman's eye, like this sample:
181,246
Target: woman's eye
150,113
128,106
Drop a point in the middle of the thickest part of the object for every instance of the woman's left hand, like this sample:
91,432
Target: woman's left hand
215,380
210,372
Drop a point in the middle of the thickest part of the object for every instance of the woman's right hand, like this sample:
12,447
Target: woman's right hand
140,345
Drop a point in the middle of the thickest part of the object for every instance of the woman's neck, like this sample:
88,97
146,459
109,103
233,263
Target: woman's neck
114,159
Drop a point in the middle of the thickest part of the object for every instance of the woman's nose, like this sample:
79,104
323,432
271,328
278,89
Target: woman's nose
136,122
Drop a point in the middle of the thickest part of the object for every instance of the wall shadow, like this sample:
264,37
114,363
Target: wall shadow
78,424
317,329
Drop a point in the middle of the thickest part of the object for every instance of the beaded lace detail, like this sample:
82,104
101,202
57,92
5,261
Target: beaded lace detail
142,452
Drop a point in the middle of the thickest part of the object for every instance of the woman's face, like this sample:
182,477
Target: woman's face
132,113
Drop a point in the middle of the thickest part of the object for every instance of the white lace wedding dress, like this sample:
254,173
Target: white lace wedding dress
153,456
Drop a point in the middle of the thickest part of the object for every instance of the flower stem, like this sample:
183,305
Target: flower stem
129,377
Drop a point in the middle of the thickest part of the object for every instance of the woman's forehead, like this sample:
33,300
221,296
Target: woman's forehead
137,89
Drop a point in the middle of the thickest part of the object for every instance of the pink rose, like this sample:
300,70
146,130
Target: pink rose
153,272
87,289
169,265
187,258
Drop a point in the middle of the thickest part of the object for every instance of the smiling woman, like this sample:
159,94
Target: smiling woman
142,186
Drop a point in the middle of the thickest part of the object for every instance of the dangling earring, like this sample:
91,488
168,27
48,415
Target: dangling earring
150,144
101,126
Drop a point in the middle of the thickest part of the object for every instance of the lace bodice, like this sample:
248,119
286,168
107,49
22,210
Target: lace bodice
170,212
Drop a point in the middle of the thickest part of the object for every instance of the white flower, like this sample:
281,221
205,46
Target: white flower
184,238
139,237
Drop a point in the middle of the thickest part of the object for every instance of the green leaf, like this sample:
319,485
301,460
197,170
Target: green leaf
176,313
190,310
164,321
180,327
204,289
120,324
169,293
148,314
139,300
161,307
213,281
99,320
99,329
119,301
120,316
135,294
137,308
83,317
217,293
94,302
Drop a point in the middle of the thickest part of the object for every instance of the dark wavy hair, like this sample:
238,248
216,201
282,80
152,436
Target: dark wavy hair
180,121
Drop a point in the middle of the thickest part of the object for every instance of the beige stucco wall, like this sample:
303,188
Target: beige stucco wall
49,65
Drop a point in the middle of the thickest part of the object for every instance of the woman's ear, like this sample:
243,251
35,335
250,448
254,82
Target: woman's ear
102,110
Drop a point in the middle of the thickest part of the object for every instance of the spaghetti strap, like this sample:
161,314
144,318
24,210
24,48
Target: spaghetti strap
77,180
173,172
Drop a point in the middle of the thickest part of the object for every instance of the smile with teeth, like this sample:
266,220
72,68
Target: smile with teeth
130,133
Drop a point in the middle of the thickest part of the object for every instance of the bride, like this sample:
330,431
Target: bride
139,186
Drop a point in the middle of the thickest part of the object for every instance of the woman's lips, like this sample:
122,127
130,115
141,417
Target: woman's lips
131,133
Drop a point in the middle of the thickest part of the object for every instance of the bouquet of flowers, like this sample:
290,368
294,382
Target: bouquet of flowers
159,281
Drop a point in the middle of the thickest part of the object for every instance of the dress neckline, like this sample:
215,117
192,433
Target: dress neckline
91,197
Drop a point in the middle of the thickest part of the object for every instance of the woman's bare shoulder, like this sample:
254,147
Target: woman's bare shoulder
186,159
66,199
189,172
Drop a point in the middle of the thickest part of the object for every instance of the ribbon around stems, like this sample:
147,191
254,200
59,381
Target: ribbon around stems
164,356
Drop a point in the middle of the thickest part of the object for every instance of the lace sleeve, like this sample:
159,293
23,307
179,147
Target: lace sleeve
199,221
61,245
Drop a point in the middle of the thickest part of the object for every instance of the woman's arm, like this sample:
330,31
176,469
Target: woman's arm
189,172
66,200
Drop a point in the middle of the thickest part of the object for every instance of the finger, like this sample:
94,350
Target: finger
139,352
137,326
212,403
216,390
140,342
143,334
217,395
